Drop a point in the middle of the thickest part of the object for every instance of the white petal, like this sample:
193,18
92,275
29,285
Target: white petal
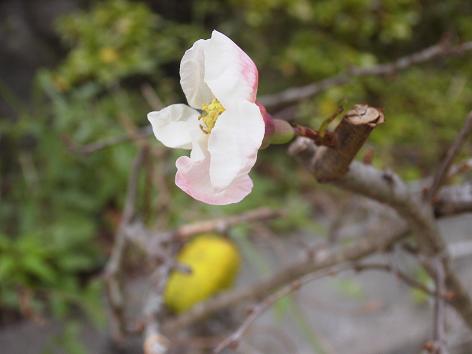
192,75
193,178
229,72
176,126
200,148
234,143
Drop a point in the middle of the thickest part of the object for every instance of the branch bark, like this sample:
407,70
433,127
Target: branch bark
444,167
388,188
115,263
317,260
453,200
151,242
278,101
333,162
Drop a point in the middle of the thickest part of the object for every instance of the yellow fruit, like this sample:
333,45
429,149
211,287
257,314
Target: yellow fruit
214,262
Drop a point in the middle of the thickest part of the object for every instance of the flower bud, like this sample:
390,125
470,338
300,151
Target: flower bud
277,131
282,132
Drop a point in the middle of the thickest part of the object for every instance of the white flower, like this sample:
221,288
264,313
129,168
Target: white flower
223,126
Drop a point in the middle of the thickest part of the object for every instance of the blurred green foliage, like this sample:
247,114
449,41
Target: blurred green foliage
59,208
115,40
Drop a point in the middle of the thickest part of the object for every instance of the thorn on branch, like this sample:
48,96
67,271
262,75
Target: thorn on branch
326,139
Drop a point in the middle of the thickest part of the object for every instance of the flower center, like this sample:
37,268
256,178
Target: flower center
209,115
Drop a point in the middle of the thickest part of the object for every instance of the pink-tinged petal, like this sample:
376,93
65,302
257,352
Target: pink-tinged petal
234,142
193,178
229,72
192,71
268,120
176,126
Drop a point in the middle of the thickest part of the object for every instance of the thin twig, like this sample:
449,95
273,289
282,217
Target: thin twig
151,97
115,262
411,282
107,143
453,200
224,223
459,168
154,102
278,101
388,188
152,243
443,170
318,260
154,342
363,247
257,310
439,328
326,139
283,99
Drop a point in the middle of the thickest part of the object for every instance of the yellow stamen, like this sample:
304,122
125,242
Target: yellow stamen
210,113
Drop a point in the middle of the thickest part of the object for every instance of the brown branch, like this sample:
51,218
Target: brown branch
459,168
362,248
439,322
326,139
108,142
389,189
151,242
331,163
443,170
115,263
257,310
453,200
154,342
317,260
224,223
411,282
278,101
151,97
154,102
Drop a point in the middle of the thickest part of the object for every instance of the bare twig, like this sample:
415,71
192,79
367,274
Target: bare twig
154,342
439,323
293,95
115,262
453,200
109,142
461,167
405,278
224,223
257,310
443,170
379,241
388,188
317,260
279,101
151,242
137,134
150,95
319,139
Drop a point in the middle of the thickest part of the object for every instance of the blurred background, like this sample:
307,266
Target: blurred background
77,72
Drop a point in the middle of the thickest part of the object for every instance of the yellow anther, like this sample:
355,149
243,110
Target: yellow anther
210,113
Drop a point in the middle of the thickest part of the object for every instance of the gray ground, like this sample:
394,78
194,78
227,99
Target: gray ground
368,313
